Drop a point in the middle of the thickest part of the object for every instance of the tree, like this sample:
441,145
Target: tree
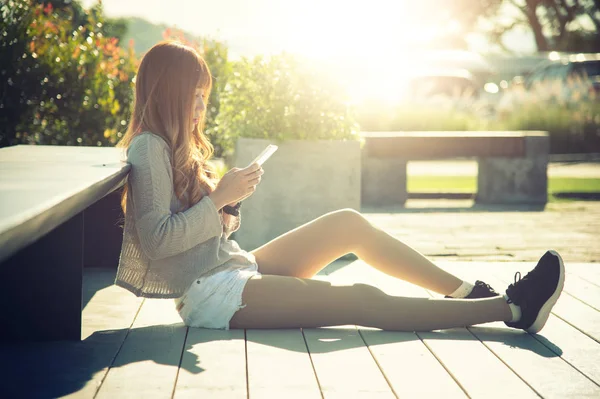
562,25
115,27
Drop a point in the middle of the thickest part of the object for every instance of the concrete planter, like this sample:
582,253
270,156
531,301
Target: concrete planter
302,181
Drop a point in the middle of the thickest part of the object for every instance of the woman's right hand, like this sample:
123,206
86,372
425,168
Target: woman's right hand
237,184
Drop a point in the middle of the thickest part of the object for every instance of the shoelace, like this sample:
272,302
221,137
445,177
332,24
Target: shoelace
512,286
520,289
485,285
518,274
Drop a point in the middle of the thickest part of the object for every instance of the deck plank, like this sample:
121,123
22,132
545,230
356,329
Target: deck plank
279,365
587,271
537,359
409,366
474,366
111,311
213,365
149,359
583,290
541,368
579,315
109,308
406,362
344,365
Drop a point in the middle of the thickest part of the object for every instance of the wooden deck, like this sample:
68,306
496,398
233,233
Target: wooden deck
135,348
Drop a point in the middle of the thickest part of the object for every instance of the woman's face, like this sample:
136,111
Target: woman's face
199,105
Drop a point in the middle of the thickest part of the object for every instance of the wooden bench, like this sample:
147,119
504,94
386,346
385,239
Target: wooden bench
46,228
512,166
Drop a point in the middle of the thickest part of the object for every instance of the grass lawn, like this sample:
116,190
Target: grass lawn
468,184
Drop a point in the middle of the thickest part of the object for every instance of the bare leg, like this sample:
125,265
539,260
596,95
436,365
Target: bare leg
307,249
291,302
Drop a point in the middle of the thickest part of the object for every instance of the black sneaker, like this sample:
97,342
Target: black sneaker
537,292
480,290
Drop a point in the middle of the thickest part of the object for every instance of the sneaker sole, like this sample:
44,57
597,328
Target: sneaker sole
544,312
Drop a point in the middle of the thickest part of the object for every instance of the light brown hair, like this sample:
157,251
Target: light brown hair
165,87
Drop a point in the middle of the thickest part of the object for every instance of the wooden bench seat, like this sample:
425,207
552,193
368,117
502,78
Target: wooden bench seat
44,233
512,165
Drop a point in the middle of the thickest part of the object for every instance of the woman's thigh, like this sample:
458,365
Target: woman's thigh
292,302
304,251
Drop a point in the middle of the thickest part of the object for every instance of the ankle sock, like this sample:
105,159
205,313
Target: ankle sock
462,291
514,309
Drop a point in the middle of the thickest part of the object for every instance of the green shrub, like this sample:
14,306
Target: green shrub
415,117
66,84
573,124
568,110
282,98
573,128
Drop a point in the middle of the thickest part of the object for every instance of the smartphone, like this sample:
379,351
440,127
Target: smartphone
263,156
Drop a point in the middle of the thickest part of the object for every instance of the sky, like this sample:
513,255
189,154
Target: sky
314,28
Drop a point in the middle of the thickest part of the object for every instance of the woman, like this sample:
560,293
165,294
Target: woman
179,217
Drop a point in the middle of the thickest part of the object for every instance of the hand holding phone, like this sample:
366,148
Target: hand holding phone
265,154
238,184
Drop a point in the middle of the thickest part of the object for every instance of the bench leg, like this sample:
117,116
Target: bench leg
40,299
383,181
512,181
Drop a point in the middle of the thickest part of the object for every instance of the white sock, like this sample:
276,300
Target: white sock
462,291
514,309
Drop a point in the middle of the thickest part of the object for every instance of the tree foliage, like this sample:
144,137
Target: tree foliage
561,25
63,80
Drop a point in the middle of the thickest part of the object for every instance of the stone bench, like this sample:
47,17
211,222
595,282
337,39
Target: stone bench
512,166
54,216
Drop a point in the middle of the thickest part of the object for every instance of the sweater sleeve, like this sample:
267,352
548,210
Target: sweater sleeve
161,232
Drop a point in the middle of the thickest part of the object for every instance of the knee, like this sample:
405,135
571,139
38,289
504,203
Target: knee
367,299
350,219
368,292
352,226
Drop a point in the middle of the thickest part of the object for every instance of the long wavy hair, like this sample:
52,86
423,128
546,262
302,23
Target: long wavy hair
164,103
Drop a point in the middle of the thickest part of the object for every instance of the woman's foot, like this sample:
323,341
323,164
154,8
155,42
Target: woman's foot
537,292
480,290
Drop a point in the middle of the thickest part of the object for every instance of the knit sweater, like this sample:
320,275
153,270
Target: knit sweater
164,250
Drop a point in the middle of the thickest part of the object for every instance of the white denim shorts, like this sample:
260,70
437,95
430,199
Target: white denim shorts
212,300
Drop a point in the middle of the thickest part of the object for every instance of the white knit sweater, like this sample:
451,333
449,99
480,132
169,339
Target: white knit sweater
164,250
